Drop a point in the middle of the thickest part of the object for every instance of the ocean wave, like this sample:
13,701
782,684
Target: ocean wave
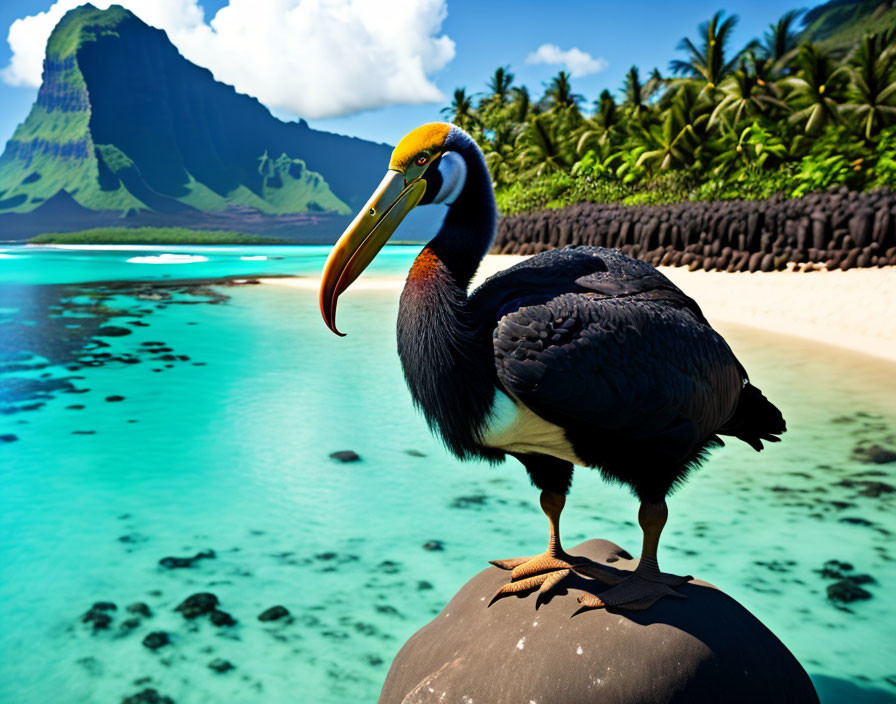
169,259
254,258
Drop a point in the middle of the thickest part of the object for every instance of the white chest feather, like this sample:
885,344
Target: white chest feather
512,427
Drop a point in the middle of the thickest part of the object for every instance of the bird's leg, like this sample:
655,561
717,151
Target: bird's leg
647,584
555,557
552,566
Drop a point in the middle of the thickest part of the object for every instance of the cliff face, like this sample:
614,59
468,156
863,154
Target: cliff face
123,122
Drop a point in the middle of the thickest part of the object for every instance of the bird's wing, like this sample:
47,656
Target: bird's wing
537,278
643,365
606,272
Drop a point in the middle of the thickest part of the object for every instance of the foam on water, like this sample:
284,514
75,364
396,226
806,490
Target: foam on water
226,447
169,259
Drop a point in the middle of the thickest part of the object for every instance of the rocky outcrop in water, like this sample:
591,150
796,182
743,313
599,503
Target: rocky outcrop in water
706,648
834,230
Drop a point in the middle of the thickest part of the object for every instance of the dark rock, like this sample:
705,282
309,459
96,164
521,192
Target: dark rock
198,605
140,608
474,501
706,648
835,569
172,563
98,617
847,591
434,545
8,437
875,489
221,618
156,640
221,665
129,625
345,456
423,585
415,453
389,567
111,331
874,454
274,613
147,696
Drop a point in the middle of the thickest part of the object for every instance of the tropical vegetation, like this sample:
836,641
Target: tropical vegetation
781,115
151,235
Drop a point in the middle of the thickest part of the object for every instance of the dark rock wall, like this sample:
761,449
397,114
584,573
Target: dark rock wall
841,229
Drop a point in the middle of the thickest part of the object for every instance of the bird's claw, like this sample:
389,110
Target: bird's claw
545,581
523,567
549,569
511,563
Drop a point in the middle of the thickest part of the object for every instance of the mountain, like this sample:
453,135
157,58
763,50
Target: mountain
839,25
126,127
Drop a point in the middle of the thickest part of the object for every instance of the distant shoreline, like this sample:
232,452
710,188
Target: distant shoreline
853,309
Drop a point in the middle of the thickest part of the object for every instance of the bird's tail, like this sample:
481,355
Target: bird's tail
755,419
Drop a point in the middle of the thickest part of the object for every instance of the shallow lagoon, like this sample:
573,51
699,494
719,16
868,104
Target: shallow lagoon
228,450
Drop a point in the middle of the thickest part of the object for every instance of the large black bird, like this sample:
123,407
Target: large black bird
579,356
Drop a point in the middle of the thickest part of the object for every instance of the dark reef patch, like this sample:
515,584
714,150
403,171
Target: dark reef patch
173,563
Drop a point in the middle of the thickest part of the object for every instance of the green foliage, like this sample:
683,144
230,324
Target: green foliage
151,235
776,117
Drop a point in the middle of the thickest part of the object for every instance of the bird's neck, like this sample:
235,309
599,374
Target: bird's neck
468,229
448,362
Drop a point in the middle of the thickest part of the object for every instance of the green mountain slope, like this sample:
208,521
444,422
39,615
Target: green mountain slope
840,24
123,122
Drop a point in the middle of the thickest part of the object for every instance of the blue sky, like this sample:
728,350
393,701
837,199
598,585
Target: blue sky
487,35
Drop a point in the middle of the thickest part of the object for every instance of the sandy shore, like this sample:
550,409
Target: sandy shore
855,309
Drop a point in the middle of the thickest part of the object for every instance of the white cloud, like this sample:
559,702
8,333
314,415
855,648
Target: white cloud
310,58
579,63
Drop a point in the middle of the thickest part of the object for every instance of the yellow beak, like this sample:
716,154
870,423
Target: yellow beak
365,236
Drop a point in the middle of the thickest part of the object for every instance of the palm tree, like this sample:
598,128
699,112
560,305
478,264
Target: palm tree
461,110
635,95
745,94
559,92
606,115
655,83
678,138
873,87
499,84
601,126
817,88
780,40
708,63
499,152
541,149
521,103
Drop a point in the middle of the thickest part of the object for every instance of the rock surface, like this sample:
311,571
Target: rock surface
275,613
706,648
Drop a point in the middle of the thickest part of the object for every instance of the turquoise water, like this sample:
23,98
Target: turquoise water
226,448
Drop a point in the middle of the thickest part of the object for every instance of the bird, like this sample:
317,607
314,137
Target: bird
579,356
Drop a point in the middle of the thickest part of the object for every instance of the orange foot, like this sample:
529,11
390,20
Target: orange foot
548,570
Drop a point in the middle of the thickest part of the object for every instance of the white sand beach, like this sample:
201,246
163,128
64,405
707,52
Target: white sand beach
854,309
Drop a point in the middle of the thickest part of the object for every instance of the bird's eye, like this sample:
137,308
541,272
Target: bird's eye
421,159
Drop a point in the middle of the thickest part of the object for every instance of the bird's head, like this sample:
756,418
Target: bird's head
425,168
